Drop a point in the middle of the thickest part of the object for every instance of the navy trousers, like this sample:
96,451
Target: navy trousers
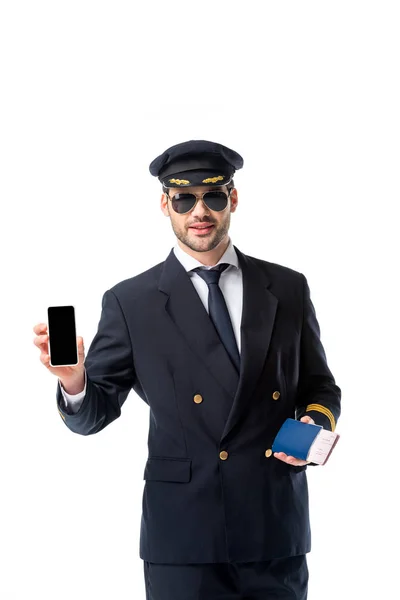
281,578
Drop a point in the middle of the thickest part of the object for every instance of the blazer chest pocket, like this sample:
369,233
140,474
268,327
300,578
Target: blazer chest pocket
168,469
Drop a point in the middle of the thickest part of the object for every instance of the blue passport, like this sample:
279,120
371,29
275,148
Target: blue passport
305,441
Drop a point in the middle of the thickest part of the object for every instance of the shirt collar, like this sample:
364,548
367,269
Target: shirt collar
189,262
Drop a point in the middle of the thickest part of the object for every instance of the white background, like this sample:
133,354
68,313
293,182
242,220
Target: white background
91,92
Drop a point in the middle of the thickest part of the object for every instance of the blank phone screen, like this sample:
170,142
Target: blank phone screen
62,335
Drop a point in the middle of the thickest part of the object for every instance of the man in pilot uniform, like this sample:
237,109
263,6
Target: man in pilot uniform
223,347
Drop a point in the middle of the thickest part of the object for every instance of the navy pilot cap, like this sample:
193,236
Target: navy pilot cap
196,162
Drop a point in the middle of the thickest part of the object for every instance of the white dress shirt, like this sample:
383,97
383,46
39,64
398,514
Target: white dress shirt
231,284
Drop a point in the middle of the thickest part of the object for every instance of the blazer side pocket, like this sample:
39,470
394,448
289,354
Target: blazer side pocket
284,468
168,469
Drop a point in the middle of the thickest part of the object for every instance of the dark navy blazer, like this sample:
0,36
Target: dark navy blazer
155,336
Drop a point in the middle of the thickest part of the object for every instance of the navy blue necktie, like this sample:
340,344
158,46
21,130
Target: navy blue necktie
218,310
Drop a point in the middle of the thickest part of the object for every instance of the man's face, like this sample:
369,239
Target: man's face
200,240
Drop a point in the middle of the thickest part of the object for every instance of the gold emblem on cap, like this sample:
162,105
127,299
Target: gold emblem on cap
213,179
179,181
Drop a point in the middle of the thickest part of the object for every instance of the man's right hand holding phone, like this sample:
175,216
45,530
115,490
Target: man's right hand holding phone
72,378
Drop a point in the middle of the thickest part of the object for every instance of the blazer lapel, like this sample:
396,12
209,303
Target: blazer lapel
258,317
191,318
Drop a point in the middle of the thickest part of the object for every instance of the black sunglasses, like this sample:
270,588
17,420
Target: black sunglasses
183,202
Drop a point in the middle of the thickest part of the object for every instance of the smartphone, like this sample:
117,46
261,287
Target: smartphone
63,347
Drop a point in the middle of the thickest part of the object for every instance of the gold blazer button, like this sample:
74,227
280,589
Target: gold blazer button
223,455
268,452
276,395
198,398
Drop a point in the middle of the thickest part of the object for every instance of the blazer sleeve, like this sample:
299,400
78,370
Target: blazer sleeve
110,373
318,395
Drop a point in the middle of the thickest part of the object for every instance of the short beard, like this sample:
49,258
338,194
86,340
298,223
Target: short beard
220,234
